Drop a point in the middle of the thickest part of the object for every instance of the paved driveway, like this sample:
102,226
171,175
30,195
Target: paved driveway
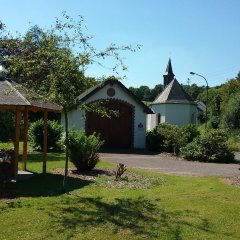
165,163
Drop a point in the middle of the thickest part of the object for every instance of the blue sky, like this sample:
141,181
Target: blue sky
200,36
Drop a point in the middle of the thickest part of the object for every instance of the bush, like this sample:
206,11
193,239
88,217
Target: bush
168,135
153,140
55,131
170,138
189,132
231,114
7,125
83,150
234,140
209,147
6,165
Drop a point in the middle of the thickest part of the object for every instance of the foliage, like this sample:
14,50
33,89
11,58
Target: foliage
215,110
7,123
209,147
189,132
193,90
83,150
153,140
168,135
52,63
234,140
144,93
36,130
121,168
231,115
170,138
6,165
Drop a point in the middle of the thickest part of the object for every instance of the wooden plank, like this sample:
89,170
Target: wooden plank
25,140
11,107
16,142
45,142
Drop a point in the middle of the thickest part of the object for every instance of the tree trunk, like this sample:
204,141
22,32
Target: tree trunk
67,149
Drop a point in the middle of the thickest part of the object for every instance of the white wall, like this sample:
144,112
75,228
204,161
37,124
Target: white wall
181,114
77,117
175,114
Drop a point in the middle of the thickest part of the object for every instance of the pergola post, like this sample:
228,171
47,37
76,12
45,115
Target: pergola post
45,141
25,139
16,142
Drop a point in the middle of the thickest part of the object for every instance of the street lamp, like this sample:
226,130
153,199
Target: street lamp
207,96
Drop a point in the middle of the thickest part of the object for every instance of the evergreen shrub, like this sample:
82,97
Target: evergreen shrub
209,147
83,149
35,134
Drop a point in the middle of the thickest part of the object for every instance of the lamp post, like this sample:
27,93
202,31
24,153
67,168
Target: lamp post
193,73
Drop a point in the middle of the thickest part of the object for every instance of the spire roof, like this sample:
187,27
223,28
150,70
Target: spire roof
173,93
169,70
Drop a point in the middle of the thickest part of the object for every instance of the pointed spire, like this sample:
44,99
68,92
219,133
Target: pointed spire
168,75
169,70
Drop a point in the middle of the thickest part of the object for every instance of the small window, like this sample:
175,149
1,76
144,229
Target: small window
158,118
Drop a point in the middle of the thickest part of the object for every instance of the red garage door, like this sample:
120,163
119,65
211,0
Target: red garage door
117,132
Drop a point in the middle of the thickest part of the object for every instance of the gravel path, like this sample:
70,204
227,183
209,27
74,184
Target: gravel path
166,163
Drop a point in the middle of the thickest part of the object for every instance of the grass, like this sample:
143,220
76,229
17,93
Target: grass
181,207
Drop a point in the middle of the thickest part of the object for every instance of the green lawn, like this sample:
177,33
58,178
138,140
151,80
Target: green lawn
173,207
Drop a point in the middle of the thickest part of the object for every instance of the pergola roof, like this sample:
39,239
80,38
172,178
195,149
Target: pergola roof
14,98
10,97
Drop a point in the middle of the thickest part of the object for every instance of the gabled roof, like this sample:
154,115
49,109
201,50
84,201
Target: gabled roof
11,96
91,91
173,93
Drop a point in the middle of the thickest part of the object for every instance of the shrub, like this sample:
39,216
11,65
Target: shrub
6,165
193,151
189,132
234,140
7,123
231,114
153,140
209,147
55,131
170,138
83,150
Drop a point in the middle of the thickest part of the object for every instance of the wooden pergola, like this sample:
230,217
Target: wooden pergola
11,98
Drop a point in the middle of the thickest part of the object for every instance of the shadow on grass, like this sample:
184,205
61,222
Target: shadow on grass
141,217
38,156
43,185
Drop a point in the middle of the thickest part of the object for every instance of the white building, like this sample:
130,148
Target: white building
173,105
128,130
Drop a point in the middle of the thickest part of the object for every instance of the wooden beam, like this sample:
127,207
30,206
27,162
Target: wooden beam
11,107
45,141
25,140
16,142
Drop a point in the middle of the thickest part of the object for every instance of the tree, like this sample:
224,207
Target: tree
231,114
144,93
156,91
51,63
228,90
